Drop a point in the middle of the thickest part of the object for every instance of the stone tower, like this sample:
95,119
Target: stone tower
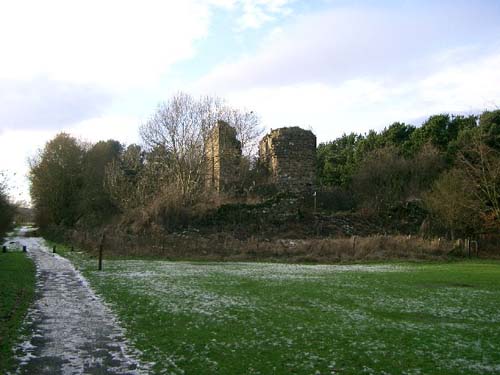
289,156
223,157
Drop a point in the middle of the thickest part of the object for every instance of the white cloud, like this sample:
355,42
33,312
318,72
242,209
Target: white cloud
118,43
46,104
258,12
350,43
253,14
466,86
361,68
362,104
112,42
121,128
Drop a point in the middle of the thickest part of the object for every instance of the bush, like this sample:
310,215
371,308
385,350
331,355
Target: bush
7,210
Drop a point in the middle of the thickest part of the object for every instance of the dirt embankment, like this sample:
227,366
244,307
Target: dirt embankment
277,230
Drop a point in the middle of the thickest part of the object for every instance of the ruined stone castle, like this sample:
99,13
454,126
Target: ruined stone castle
288,156
223,156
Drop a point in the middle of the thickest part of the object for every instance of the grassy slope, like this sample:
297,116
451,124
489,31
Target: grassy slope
271,318
17,285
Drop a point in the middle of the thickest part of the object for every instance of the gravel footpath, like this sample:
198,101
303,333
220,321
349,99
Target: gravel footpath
72,331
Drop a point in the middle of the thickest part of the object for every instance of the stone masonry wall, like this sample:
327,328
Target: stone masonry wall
289,155
223,157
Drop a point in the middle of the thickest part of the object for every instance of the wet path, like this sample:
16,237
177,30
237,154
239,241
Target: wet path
73,332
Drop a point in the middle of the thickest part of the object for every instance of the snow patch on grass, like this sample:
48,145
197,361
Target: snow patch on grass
319,318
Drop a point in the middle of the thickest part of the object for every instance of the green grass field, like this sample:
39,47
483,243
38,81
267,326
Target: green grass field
17,285
262,318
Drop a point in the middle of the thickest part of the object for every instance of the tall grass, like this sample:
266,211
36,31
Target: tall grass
224,246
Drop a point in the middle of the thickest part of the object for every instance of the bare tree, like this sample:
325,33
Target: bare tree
123,176
481,166
247,128
181,126
451,200
467,198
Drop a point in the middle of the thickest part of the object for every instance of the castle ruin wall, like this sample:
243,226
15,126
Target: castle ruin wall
289,156
223,157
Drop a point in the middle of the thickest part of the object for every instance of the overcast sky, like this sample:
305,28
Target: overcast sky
98,68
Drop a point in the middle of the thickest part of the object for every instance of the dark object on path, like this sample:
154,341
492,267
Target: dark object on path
4,249
54,249
24,248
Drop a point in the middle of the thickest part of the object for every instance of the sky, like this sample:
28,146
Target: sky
98,68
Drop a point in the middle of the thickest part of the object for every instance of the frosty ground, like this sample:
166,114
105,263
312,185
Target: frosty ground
262,318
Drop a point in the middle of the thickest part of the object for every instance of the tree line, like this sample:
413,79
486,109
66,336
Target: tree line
7,208
449,167
157,183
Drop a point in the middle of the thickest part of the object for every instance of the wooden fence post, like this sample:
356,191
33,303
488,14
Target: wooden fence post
101,245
